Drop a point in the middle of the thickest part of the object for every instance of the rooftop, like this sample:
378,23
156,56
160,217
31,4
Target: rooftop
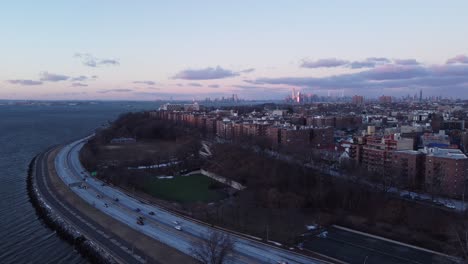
444,153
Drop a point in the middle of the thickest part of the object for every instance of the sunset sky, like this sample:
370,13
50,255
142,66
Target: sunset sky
146,50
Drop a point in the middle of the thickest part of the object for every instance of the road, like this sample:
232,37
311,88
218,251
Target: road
352,247
120,249
161,225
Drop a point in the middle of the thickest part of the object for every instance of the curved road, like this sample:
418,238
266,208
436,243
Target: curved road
161,225
84,224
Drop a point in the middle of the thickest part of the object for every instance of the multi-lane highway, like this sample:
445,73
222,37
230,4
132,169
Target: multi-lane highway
159,224
120,249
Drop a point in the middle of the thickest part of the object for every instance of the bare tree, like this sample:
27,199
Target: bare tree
214,249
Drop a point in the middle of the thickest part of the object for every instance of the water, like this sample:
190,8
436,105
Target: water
24,132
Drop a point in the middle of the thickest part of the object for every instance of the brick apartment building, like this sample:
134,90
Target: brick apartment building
435,170
446,171
375,152
358,100
409,168
315,137
339,122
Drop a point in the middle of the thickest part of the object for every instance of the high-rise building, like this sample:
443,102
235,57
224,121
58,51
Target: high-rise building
445,171
385,99
358,100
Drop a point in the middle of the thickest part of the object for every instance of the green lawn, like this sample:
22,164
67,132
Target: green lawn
193,188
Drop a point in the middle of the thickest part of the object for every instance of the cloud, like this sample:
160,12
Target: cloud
195,85
80,78
388,76
371,62
52,77
116,91
379,59
247,70
362,64
463,59
25,82
406,62
77,84
108,62
145,82
213,85
323,63
205,74
83,78
390,72
91,61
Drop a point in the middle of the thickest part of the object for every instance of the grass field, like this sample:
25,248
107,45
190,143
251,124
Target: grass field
193,188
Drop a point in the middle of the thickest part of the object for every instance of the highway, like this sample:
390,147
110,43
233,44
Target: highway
160,225
120,249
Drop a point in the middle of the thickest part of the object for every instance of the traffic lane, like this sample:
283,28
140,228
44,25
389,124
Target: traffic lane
354,248
67,212
151,227
259,251
128,216
191,227
124,213
381,245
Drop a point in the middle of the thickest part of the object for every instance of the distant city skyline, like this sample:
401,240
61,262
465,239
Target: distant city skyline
148,50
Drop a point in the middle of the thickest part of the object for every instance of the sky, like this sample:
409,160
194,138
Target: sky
148,50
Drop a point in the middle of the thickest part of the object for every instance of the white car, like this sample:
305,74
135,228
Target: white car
178,227
450,205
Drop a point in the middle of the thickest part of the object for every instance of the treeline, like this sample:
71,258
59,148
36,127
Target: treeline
282,196
140,125
184,143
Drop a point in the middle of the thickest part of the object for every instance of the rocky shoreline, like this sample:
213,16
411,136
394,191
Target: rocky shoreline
86,247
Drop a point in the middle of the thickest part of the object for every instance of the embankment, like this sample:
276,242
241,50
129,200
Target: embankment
64,229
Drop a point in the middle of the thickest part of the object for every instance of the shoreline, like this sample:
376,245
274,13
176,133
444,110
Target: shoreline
65,230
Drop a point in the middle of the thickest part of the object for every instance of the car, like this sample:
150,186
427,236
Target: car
140,218
98,196
106,205
282,262
407,196
439,203
151,213
140,222
176,222
422,198
116,199
450,205
103,184
178,227
137,210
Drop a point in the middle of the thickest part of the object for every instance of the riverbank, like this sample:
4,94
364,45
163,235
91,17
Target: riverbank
63,229
121,242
